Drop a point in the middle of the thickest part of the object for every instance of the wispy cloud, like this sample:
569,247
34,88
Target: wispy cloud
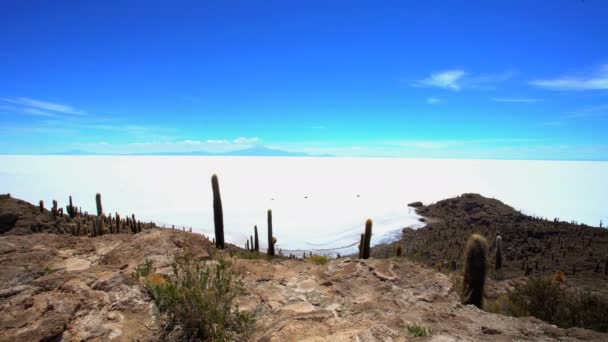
44,105
246,140
448,79
457,79
188,145
516,99
595,81
433,100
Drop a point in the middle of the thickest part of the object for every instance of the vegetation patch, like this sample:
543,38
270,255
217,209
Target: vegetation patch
199,300
419,330
319,259
552,302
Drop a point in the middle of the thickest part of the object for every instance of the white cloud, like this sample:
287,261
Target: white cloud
596,81
516,99
245,140
444,79
433,100
43,105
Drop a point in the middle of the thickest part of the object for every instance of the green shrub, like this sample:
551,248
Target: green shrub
419,330
248,255
548,300
319,259
143,270
199,300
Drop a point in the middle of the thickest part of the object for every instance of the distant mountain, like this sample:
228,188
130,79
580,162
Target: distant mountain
256,151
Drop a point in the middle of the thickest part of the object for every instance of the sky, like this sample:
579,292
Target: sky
417,79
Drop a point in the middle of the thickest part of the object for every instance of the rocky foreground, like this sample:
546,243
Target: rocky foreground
60,287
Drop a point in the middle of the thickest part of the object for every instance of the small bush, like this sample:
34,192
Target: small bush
252,255
419,330
319,259
143,270
548,300
199,299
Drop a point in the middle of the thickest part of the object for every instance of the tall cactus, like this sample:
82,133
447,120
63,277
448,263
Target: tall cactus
361,242
218,215
367,239
251,243
41,205
270,237
98,202
475,269
117,223
498,261
54,211
256,241
71,209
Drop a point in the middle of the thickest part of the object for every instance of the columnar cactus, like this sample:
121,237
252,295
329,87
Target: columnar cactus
41,205
117,223
498,261
71,209
218,215
256,241
367,240
475,268
399,251
361,241
270,237
251,242
54,211
98,202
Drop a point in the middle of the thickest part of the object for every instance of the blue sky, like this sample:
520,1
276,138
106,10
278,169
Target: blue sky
439,79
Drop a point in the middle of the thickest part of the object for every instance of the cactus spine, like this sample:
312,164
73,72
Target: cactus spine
98,202
256,241
475,268
270,237
498,261
367,239
218,215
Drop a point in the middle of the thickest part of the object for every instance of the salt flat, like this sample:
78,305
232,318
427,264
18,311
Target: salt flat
317,203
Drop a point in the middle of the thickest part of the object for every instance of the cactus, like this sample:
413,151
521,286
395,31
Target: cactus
54,211
117,223
218,215
475,268
368,238
98,202
270,237
498,261
71,209
361,240
399,251
41,205
251,242
256,241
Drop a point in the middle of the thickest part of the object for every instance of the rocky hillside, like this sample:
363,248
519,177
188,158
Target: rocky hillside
532,246
60,287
